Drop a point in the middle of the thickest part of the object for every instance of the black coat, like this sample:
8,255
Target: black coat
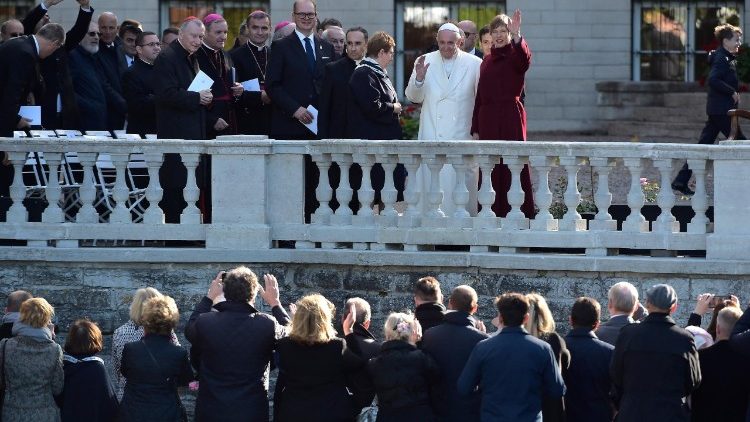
724,391
722,82
56,74
6,330
334,98
88,394
254,117
430,315
112,69
19,75
138,89
153,378
314,380
654,367
553,409
741,334
406,381
232,349
587,378
371,104
610,330
179,114
359,381
292,85
223,104
450,344
91,90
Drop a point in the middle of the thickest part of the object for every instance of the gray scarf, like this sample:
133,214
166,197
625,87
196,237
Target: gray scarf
42,335
11,317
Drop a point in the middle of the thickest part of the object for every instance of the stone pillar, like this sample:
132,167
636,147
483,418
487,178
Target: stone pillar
572,220
731,192
603,197
17,212
87,191
543,221
635,222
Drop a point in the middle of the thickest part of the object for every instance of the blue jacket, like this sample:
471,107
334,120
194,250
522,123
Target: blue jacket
587,377
450,344
722,82
513,370
89,88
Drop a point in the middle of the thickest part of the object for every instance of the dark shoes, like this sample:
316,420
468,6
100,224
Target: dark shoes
682,188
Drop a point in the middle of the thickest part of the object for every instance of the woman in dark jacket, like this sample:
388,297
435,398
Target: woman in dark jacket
541,325
154,367
403,375
314,364
88,394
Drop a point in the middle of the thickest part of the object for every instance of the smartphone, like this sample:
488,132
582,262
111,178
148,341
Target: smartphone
224,274
717,299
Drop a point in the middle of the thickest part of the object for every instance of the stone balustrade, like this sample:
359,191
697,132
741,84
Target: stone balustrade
258,194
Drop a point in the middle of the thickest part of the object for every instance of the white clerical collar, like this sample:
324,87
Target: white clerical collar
206,45
36,44
258,47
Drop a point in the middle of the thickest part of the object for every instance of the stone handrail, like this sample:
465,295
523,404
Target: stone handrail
258,196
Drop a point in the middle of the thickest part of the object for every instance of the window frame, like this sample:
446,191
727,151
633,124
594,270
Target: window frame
218,6
24,6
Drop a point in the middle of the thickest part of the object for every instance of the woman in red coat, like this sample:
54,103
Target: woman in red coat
498,110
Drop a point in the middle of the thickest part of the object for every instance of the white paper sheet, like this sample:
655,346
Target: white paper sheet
201,82
252,85
313,127
32,112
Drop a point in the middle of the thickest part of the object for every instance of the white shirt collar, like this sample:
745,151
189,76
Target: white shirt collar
473,51
302,38
36,44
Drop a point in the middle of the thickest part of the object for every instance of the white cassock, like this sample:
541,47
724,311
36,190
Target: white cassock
447,97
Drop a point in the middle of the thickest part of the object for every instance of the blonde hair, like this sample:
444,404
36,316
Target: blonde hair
160,315
140,297
311,323
401,326
540,317
728,317
36,312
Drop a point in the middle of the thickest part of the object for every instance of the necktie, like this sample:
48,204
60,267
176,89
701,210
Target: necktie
310,55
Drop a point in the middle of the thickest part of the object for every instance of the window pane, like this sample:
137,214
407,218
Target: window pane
663,40
706,19
179,11
662,67
14,9
236,15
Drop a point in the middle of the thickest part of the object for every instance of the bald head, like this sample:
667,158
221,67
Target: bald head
470,34
11,29
463,298
108,27
15,300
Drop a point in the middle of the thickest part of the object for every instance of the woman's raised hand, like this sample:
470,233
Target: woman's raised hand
515,25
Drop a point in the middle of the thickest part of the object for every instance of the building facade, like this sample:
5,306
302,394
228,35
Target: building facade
575,43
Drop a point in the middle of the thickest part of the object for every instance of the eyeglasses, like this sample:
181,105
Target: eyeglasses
94,34
151,44
468,34
305,15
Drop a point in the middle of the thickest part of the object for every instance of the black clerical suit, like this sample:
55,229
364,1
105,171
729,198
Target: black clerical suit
179,115
218,66
292,84
112,69
333,98
138,90
251,62
56,73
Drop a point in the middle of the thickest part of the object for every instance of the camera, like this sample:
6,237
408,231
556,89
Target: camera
717,299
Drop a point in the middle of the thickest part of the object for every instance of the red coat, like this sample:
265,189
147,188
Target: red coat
498,112
499,115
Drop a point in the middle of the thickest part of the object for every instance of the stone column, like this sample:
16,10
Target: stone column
603,197
120,192
17,212
87,191
154,214
700,222
572,220
635,222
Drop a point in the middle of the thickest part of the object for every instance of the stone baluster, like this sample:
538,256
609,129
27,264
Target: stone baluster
635,222
364,217
603,197
53,213
389,193
323,192
515,220
666,222
87,191
17,212
572,220
344,193
120,192
154,192
435,195
412,215
543,221
699,223
460,192
486,218
191,214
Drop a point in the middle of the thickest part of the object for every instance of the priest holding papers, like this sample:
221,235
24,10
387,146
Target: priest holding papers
445,83
180,114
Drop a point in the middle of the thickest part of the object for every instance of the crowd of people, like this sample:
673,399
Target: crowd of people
429,363
311,80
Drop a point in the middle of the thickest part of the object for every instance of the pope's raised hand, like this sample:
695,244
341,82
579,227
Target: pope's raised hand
421,68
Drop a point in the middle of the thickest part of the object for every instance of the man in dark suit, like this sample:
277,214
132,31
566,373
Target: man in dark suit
428,300
180,114
450,344
622,300
111,68
126,56
724,390
11,28
138,88
251,61
470,39
12,308
587,376
59,106
295,75
655,366
369,347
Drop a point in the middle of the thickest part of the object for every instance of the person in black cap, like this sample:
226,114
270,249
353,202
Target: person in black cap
655,365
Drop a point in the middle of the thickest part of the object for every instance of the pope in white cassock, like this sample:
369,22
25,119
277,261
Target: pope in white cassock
445,83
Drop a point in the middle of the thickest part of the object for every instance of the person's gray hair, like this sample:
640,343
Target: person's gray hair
4,26
52,32
623,296
364,313
190,21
